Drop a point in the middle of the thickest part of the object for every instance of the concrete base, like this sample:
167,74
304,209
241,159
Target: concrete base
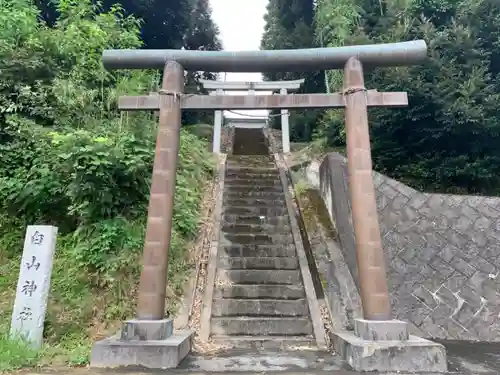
415,355
153,354
143,330
377,330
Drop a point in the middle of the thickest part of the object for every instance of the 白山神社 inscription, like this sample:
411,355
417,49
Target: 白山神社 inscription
33,285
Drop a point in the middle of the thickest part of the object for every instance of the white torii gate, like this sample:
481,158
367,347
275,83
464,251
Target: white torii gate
219,87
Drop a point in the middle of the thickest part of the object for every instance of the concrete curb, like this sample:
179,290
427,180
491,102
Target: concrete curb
348,301
312,300
342,299
181,320
212,261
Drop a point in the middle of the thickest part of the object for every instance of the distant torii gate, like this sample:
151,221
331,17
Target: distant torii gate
150,324
220,87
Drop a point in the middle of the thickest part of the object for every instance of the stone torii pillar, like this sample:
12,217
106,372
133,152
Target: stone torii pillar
283,87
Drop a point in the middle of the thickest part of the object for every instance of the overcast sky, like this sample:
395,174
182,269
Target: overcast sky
241,24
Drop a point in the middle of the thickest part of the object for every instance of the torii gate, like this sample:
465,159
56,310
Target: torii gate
148,340
220,87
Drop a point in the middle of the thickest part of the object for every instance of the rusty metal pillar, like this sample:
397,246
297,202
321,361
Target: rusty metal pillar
370,256
153,282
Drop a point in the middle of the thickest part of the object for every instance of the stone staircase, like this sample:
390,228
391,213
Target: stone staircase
259,297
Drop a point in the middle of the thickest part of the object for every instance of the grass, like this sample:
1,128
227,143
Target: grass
86,304
15,354
82,307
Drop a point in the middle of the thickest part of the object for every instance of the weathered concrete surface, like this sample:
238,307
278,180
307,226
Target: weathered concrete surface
336,282
463,359
154,354
442,252
381,330
147,329
415,355
265,362
473,357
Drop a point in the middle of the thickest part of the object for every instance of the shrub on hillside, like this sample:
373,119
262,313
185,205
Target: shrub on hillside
76,179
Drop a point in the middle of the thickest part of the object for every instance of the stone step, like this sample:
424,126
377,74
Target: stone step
253,250
246,169
258,307
261,183
256,219
251,175
249,291
264,343
258,263
257,194
256,239
252,188
267,164
267,181
281,277
249,158
259,169
255,228
256,211
254,202
253,326
256,149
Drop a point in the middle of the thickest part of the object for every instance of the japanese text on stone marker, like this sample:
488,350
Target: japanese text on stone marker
33,263
26,314
29,288
37,238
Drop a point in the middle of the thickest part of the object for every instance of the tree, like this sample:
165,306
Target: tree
289,25
446,140
179,24
163,23
202,35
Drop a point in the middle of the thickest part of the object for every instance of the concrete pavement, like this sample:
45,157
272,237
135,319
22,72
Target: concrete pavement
464,359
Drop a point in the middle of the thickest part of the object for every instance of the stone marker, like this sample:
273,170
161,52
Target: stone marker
33,285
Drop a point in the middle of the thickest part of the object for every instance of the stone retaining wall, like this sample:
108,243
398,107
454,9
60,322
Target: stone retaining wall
442,252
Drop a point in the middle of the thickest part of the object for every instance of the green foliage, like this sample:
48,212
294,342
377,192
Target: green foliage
69,158
81,177
446,139
290,24
15,353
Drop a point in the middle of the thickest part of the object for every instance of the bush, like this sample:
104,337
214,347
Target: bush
15,353
70,159
102,212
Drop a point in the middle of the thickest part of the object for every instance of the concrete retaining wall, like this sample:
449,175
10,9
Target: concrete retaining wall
442,252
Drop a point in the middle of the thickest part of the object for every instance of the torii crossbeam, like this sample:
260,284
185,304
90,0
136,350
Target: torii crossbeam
295,101
283,101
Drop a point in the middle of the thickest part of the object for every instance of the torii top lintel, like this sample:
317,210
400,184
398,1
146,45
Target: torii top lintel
298,60
257,86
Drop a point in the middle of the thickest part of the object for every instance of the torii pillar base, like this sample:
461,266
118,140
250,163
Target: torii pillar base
150,344
386,346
